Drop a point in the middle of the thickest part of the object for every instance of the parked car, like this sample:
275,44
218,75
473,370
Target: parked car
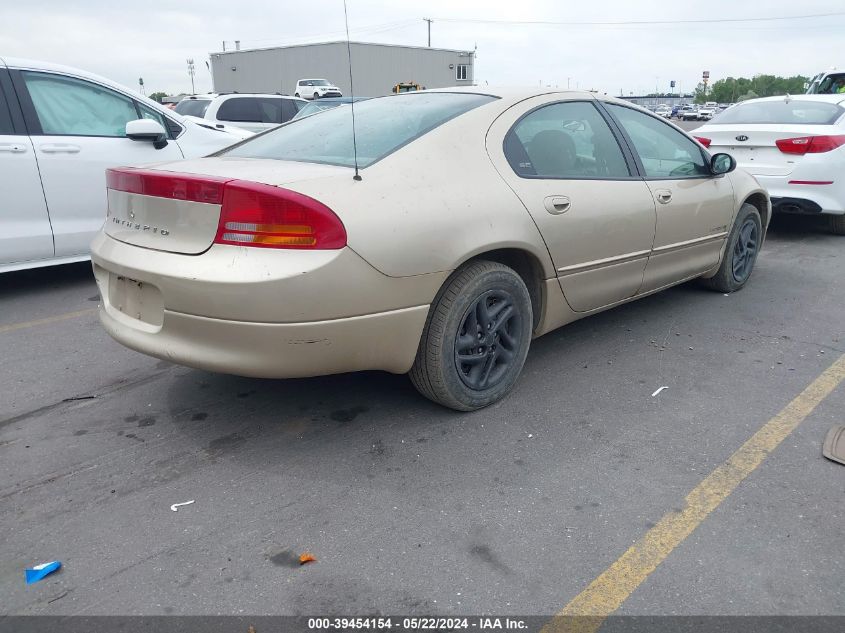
689,113
60,128
705,113
253,112
316,89
293,267
664,110
324,104
794,146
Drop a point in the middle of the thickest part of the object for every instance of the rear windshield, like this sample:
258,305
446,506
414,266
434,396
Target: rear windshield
382,126
192,107
795,112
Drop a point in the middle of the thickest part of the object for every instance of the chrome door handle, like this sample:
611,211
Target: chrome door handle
59,148
557,204
14,148
664,196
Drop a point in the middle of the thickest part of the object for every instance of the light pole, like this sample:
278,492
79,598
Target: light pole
191,72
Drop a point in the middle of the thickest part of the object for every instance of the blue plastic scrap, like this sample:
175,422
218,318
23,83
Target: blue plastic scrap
38,572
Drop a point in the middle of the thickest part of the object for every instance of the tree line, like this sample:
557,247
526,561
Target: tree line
732,90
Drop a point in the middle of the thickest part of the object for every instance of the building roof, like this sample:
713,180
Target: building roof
271,48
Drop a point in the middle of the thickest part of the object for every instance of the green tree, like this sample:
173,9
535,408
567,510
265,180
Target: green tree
731,90
748,95
158,96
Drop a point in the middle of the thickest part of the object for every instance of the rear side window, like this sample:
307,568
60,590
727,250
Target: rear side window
5,116
663,151
193,107
271,110
69,106
382,126
564,140
793,112
245,109
289,109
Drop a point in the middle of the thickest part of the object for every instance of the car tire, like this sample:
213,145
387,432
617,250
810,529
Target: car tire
837,224
741,250
316,96
459,322
296,94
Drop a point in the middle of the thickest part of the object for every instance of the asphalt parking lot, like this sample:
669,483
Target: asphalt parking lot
412,508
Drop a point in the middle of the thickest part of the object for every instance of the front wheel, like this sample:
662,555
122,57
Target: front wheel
741,250
316,95
296,94
475,339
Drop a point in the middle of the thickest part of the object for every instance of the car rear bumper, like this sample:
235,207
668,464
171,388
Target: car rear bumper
802,198
260,312
386,341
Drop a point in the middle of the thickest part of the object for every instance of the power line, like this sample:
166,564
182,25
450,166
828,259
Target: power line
639,22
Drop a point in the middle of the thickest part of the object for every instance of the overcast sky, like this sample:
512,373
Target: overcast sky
152,39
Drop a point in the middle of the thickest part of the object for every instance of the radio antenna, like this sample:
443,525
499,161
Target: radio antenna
357,176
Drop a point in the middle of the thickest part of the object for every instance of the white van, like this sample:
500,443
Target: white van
253,112
60,128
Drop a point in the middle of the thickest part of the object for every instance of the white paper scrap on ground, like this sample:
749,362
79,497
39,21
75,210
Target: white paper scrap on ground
659,390
175,506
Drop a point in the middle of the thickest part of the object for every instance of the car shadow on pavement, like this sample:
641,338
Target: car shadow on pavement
43,281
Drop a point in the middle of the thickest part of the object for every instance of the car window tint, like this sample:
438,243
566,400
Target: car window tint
289,109
240,109
564,140
271,110
5,116
382,126
67,106
793,112
193,107
663,151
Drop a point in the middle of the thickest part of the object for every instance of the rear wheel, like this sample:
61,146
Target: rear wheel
837,224
296,94
476,338
741,251
316,95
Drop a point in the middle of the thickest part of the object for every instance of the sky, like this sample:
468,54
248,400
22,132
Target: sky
153,39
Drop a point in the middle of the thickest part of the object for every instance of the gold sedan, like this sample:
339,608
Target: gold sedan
451,230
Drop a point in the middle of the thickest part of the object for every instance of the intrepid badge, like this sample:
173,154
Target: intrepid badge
146,228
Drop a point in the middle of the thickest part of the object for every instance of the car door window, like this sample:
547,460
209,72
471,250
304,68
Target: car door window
240,109
289,109
66,106
564,140
663,151
5,115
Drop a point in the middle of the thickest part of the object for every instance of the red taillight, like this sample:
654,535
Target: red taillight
254,214
163,184
704,141
810,144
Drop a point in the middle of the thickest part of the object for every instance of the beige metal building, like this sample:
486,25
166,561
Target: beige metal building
376,68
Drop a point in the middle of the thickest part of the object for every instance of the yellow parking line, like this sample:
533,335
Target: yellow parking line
609,590
52,319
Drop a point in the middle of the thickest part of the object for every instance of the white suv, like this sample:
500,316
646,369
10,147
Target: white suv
316,89
253,112
60,129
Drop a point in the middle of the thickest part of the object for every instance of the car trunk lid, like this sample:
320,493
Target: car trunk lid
754,146
179,211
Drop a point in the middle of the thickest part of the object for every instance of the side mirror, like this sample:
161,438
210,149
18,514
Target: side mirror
147,130
722,164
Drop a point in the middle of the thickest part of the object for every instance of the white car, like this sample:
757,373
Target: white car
794,146
60,129
316,89
663,110
252,112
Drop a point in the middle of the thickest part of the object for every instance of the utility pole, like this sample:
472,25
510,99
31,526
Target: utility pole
191,74
429,20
